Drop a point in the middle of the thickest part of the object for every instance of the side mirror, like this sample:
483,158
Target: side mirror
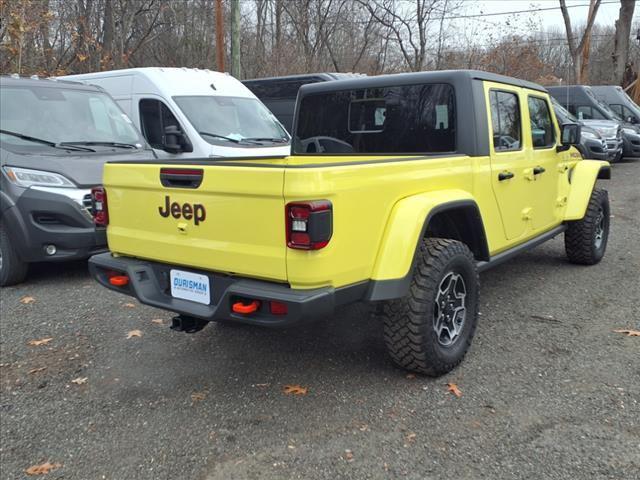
175,141
569,135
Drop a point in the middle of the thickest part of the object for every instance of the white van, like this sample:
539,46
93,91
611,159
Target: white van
191,113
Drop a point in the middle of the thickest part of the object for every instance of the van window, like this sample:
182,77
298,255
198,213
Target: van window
587,112
61,115
155,116
542,129
617,109
232,121
406,119
505,120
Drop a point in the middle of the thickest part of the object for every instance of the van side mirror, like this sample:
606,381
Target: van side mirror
175,141
569,136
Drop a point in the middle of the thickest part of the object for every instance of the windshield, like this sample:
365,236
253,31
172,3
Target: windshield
229,121
58,115
565,115
603,106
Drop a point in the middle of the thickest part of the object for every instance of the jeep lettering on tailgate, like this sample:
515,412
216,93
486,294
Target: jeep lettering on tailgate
195,212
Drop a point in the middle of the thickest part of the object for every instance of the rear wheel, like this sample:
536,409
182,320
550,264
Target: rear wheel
585,240
12,269
430,329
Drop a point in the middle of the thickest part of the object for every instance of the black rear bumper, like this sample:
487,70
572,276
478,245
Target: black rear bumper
149,282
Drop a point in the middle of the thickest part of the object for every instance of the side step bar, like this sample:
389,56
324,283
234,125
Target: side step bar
512,252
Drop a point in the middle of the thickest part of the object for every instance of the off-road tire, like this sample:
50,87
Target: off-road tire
581,238
13,270
408,322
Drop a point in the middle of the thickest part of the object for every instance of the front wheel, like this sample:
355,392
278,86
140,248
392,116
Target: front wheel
12,269
585,240
430,329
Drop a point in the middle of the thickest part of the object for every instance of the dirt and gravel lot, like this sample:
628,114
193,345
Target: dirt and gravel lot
549,391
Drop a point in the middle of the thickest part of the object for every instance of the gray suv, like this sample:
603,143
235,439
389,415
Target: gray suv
55,137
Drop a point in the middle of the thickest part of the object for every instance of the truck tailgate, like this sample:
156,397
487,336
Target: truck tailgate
230,221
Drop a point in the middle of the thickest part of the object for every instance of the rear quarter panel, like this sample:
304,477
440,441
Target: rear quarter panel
364,192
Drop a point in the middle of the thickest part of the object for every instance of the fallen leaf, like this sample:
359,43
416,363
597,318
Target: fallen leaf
198,396
630,333
158,321
36,370
134,333
80,380
294,390
42,469
348,455
129,305
42,341
410,376
27,300
453,388
410,438
261,385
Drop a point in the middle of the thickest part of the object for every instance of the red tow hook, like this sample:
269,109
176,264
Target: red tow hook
119,280
244,309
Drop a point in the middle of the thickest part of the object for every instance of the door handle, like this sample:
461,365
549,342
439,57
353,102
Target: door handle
505,176
538,170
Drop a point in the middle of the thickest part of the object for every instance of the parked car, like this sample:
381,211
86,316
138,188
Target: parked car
279,93
55,137
619,102
400,189
582,102
187,113
604,142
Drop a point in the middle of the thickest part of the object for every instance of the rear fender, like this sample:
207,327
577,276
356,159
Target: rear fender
405,228
583,177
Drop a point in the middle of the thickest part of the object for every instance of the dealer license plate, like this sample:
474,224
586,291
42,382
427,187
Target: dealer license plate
190,286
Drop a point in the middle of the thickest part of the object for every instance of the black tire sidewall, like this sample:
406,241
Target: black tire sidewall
13,269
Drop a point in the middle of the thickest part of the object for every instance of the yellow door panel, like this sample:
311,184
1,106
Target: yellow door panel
510,161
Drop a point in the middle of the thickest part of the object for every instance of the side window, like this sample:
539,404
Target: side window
155,116
505,119
586,112
617,109
542,131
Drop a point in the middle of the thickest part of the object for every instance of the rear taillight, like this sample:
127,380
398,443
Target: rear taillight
309,224
99,205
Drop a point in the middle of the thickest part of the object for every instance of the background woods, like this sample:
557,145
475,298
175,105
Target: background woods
279,37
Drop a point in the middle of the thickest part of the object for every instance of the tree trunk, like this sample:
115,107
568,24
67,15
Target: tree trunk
620,55
235,38
107,37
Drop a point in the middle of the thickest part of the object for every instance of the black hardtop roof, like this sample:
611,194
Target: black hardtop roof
438,76
6,80
304,76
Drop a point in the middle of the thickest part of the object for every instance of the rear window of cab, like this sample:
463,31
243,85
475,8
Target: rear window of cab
407,119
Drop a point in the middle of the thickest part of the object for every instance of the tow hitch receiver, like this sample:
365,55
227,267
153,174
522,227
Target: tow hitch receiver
182,323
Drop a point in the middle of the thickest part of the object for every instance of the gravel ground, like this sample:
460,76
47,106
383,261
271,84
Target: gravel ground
549,391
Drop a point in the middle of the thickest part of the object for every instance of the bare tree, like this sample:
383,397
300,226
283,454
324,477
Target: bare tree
576,50
407,24
620,54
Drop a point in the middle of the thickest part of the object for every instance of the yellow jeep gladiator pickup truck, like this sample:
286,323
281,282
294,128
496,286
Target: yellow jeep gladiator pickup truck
399,190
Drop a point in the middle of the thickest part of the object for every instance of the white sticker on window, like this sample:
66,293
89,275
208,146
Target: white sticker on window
442,117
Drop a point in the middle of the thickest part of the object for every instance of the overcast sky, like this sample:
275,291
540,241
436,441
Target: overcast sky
607,13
